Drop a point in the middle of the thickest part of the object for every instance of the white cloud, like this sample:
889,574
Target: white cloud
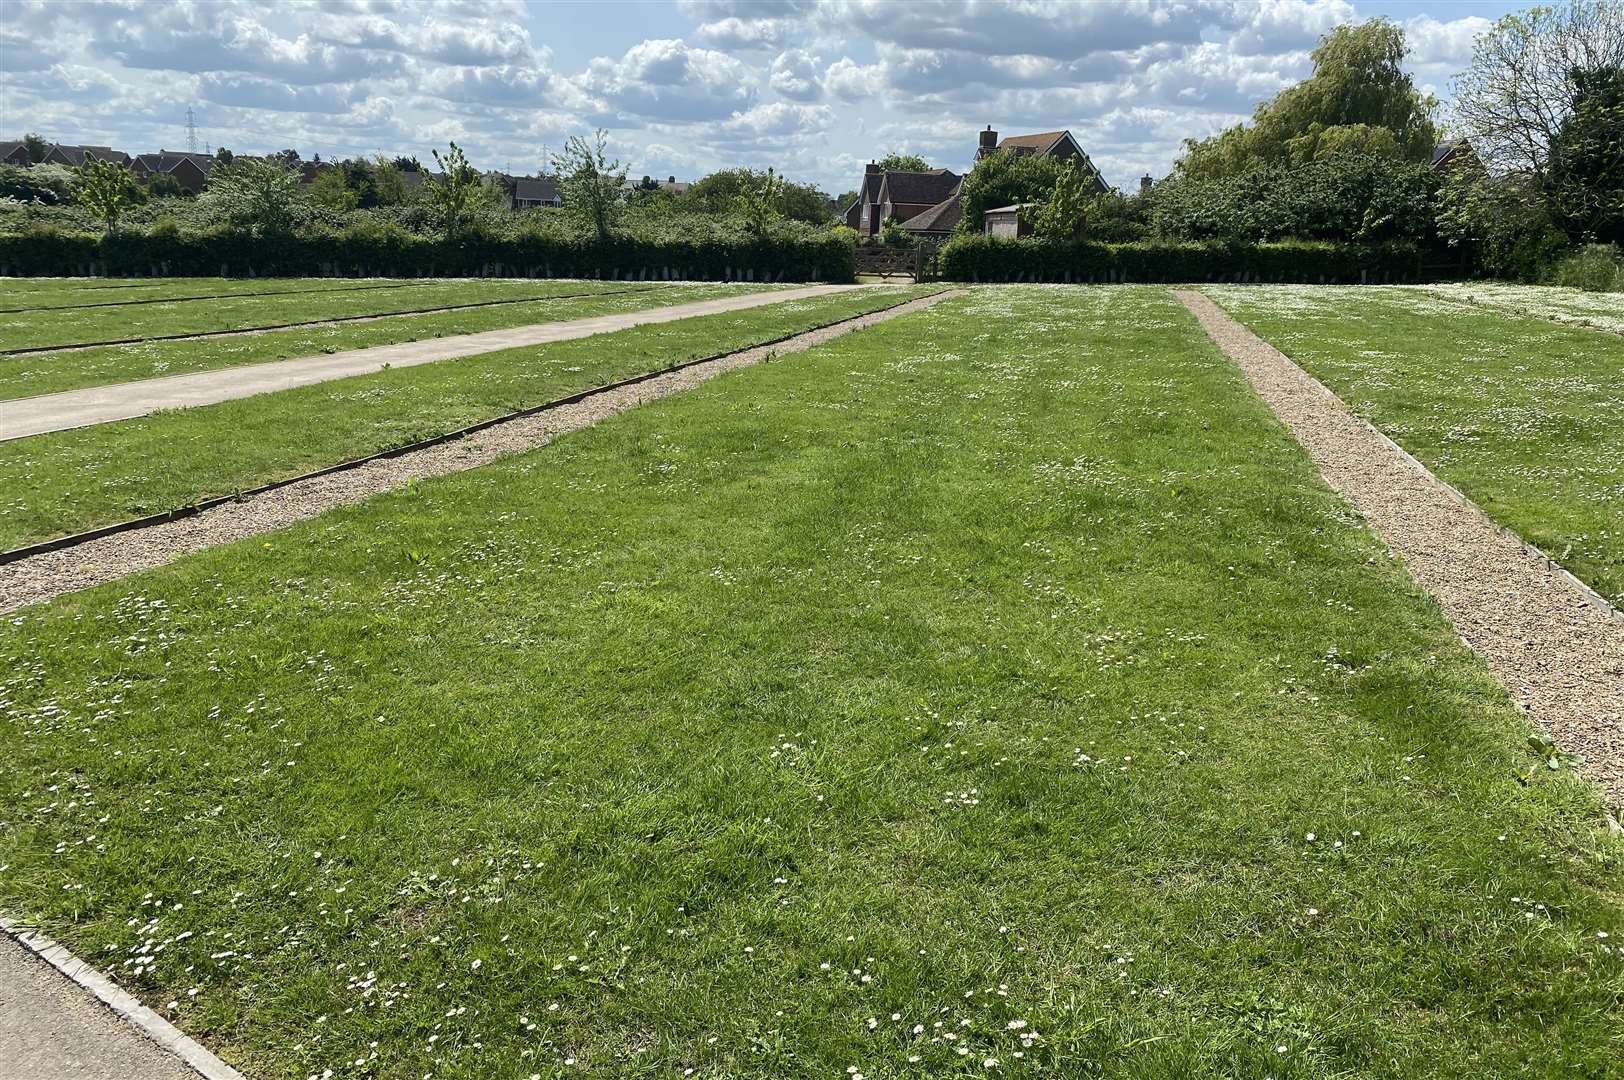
795,75
670,80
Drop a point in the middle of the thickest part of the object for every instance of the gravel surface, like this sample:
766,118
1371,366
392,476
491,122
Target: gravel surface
1554,644
41,577
21,417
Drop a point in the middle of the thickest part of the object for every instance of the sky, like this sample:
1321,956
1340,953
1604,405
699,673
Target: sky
813,88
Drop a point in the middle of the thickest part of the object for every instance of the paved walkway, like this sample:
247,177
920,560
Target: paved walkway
1555,645
122,401
51,1029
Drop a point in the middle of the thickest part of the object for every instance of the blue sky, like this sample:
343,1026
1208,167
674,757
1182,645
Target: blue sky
812,87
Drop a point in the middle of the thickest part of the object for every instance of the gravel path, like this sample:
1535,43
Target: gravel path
41,577
21,417
1557,646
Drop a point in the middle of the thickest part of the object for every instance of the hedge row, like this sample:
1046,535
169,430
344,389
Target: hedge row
819,258
993,258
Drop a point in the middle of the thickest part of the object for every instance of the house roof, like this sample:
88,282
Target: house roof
940,218
921,188
9,148
76,154
534,189
1446,148
1042,141
169,160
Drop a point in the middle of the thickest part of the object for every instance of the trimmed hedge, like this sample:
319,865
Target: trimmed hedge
129,254
995,258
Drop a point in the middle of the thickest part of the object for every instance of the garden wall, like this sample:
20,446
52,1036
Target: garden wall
823,258
990,258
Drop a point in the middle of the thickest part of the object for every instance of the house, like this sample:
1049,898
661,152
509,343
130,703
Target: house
15,153
1452,154
530,192
905,196
927,204
1008,220
191,171
310,171
1060,144
75,156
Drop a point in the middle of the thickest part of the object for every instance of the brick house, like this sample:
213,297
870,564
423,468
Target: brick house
191,171
15,153
75,156
1061,144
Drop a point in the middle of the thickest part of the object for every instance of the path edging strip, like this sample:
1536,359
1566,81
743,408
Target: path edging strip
110,994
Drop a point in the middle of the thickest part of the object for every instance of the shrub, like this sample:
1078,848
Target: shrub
1594,268
992,258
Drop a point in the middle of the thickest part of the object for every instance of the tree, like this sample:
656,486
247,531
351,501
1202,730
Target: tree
1585,181
591,183
388,183
36,185
1499,222
164,185
718,193
846,198
455,194
1358,98
759,203
222,156
903,163
37,147
259,196
331,190
1004,179
1523,83
104,188
408,164
1063,215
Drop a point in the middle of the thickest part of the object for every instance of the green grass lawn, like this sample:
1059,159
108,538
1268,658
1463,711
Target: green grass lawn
68,481
1603,311
64,326
1524,416
997,691
47,373
67,292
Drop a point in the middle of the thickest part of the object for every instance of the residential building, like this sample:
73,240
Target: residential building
15,153
531,191
1061,144
75,156
191,171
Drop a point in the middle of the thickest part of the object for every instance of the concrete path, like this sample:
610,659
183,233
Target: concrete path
52,1029
121,401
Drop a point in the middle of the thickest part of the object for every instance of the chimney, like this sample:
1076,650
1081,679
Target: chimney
1144,183
871,167
989,139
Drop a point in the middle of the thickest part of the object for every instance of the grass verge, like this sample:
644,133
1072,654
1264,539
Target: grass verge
47,373
995,691
1526,418
68,326
69,481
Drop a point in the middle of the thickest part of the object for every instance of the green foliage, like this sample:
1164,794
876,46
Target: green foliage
1359,99
105,188
1500,224
1352,197
760,197
455,194
163,185
1003,179
992,258
37,146
35,185
591,184
903,163
717,252
331,190
892,234
260,197
718,193
1585,177
1594,268
1063,214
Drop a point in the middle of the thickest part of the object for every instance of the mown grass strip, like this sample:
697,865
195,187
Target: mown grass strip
392,312
71,481
1524,417
46,373
76,539
97,303
999,684
61,326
